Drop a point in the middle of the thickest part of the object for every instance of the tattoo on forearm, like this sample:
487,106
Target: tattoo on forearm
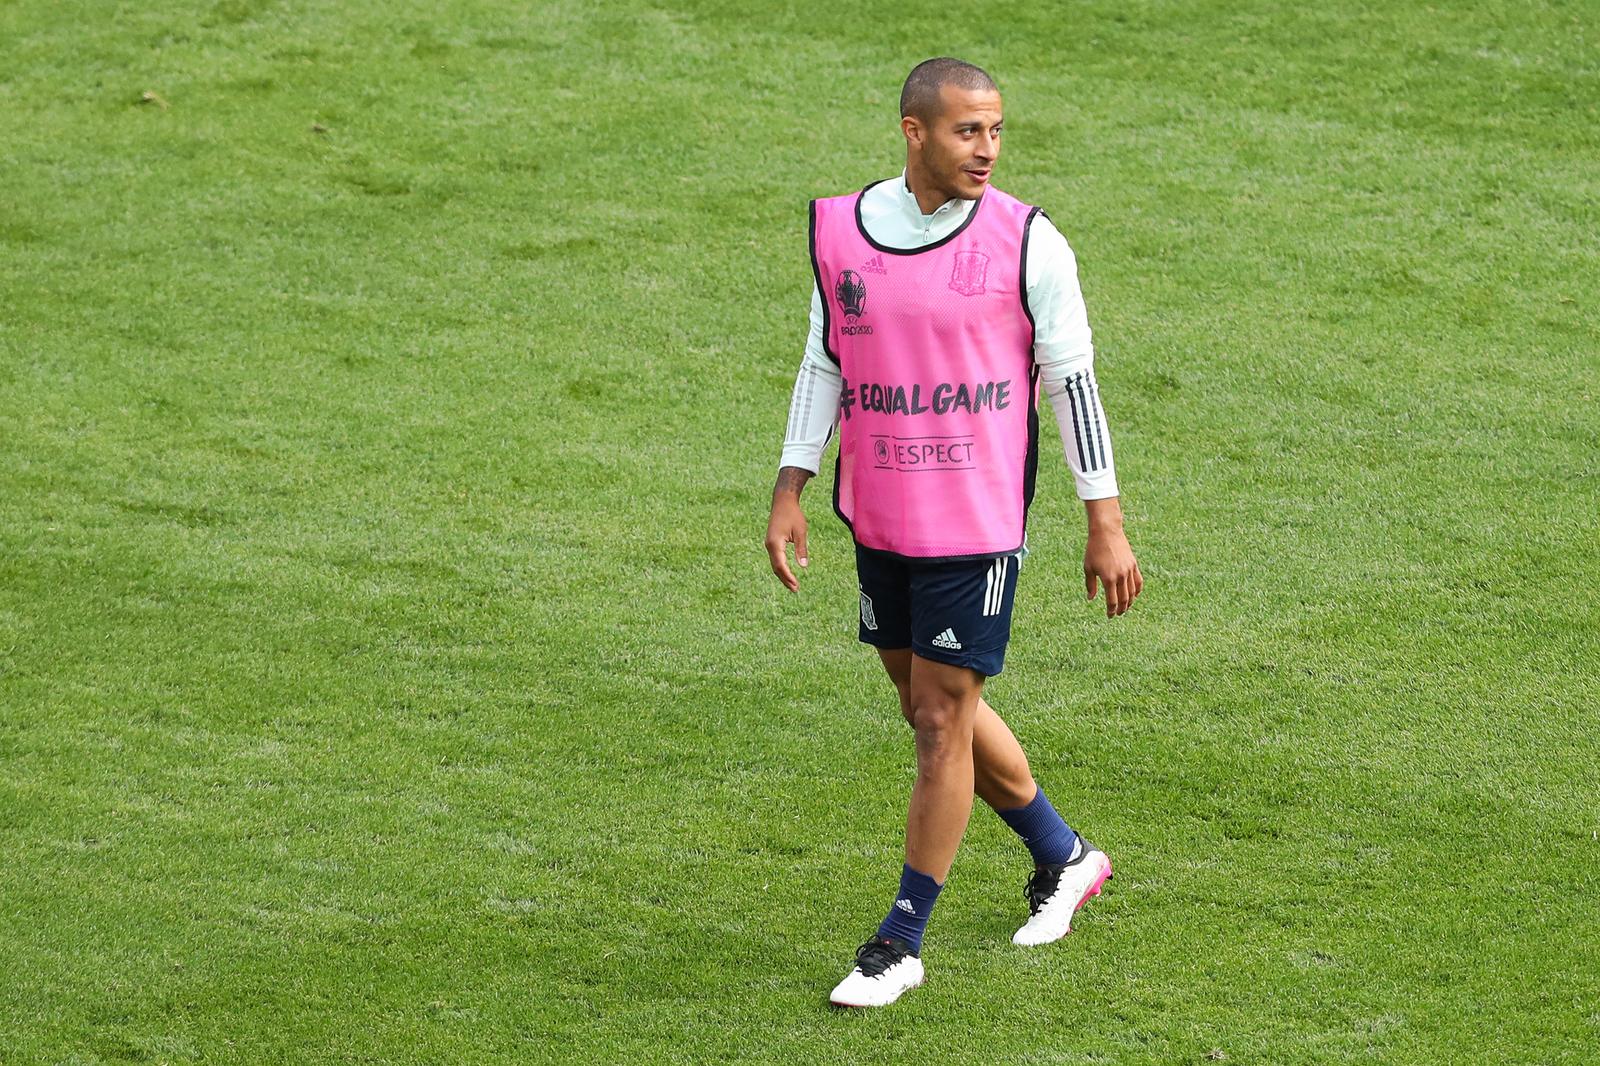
791,479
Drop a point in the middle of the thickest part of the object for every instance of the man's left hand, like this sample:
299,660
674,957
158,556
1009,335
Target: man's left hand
1108,560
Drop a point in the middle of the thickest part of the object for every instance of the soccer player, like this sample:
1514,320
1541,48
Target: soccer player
941,307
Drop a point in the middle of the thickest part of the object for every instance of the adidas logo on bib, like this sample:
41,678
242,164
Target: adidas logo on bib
947,639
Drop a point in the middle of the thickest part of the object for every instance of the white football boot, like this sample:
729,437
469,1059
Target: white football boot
885,969
1056,892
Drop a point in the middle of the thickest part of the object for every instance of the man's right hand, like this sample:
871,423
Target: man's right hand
787,525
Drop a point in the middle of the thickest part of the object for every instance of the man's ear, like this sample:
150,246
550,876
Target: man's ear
911,126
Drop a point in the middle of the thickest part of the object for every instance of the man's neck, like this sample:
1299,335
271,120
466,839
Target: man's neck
928,198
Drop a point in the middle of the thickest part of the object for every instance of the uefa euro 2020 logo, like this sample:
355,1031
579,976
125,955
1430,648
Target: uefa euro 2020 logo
852,294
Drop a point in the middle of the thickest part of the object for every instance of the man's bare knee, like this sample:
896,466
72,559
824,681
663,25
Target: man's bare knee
933,715
943,731
944,706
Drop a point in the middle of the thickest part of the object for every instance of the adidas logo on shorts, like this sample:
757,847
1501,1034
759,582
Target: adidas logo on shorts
947,639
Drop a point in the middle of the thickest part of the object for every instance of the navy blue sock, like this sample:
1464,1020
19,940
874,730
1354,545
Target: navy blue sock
1049,839
909,915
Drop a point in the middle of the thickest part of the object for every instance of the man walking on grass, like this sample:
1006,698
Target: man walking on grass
941,306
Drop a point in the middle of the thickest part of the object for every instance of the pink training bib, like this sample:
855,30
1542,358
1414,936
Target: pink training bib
938,422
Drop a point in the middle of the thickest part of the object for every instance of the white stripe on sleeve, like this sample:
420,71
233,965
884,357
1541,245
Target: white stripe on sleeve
814,407
1063,348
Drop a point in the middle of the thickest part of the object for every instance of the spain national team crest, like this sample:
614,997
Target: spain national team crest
968,273
869,617
852,294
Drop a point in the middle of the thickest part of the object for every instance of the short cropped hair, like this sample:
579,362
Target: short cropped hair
919,97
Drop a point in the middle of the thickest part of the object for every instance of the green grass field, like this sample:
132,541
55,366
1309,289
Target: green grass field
390,670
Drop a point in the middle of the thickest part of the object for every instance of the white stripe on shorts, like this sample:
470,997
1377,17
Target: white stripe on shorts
995,586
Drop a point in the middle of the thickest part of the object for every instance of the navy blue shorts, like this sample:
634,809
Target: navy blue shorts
951,612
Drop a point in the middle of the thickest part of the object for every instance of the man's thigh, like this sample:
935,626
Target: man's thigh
935,683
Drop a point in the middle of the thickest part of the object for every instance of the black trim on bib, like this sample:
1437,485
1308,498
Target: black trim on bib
1030,464
1022,274
861,227
822,293
935,558
838,478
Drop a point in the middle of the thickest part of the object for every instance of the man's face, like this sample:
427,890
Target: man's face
960,146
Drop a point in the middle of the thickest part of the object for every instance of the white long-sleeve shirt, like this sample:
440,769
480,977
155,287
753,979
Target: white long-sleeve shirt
1062,346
